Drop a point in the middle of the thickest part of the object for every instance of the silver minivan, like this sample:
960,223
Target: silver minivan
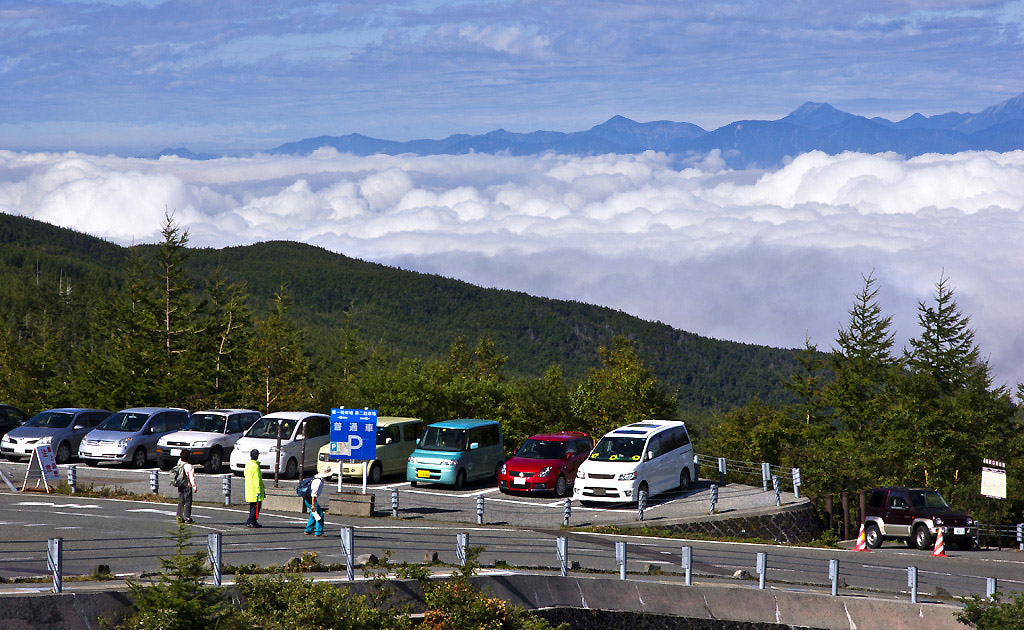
63,429
131,435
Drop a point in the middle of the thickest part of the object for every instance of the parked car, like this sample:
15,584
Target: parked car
62,428
396,440
10,417
915,516
209,436
130,436
652,456
454,452
262,436
546,463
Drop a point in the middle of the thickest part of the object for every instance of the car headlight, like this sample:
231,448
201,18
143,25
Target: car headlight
627,476
544,472
199,444
7,439
504,469
938,521
580,474
272,449
970,521
124,443
45,440
447,462
324,457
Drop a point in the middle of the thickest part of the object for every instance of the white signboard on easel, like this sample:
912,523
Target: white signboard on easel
993,479
42,467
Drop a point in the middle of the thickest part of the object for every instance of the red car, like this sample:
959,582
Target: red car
546,463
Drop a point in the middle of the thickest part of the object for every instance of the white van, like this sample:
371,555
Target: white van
290,425
652,456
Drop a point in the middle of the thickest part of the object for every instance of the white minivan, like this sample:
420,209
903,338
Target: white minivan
294,428
651,456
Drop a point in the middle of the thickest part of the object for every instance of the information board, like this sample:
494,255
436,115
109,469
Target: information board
353,434
993,479
42,467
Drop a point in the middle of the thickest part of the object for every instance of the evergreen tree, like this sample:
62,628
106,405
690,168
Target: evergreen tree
227,333
279,370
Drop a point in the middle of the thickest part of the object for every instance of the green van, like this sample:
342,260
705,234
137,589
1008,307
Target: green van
456,451
396,440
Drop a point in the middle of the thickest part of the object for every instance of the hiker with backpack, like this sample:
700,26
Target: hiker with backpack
310,489
183,477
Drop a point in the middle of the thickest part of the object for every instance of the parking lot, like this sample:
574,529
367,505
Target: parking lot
440,503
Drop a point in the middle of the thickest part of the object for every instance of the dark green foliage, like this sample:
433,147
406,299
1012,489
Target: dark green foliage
179,599
999,613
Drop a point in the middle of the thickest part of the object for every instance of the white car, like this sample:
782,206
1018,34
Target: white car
263,437
652,456
209,436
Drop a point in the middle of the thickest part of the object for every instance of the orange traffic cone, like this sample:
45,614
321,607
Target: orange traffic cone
940,547
862,541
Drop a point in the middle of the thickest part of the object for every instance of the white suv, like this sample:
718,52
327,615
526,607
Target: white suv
209,436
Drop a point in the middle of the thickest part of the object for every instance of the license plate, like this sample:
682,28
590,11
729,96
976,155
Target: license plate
598,492
423,473
175,451
519,481
959,531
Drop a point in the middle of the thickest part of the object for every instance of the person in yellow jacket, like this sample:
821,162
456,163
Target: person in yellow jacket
254,490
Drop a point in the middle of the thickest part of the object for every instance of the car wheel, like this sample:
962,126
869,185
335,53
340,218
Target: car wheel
92,462
497,472
291,469
684,479
503,490
375,473
412,483
460,480
63,454
139,458
214,461
872,536
561,486
922,539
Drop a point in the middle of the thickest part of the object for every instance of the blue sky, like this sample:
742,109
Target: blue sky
239,76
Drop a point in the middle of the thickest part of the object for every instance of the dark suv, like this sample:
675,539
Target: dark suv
915,516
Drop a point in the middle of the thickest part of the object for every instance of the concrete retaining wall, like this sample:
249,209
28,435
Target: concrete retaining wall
703,603
797,523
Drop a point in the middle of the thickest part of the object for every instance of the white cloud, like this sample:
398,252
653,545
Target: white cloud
761,257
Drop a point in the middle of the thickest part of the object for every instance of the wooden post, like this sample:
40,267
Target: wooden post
829,510
845,498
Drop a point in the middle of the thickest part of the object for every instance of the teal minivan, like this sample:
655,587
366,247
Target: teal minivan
456,451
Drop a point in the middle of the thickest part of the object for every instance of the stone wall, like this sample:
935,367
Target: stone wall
797,523
577,619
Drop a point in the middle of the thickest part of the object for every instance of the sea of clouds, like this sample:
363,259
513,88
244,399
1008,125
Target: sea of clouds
768,257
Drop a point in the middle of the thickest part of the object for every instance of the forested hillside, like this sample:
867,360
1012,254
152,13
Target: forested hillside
410,314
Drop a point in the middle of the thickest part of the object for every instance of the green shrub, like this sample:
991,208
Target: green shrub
994,614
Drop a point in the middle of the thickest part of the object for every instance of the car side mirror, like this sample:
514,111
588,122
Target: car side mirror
474,446
417,441
570,455
78,427
650,455
387,441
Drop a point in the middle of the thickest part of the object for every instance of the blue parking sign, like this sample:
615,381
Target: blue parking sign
353,434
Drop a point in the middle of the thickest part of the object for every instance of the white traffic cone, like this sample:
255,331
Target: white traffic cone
940,547
862,541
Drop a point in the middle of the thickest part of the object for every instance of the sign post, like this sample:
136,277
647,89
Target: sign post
353,438
993,486
42,466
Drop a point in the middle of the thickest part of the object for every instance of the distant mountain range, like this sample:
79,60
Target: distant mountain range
743,144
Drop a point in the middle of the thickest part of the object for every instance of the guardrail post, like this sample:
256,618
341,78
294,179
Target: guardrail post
721,471
1020,535
480,509
394,503
620,558
154,482
687,564
348,550
714,500
766,475
213,548
562,553
912,583
797,482
641,504
55,562
833,575
777,487
461,542
225,487
762,568
566,511
73,478
696,466
990,588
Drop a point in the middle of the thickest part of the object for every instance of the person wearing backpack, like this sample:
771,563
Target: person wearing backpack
311,490
254,490
183,476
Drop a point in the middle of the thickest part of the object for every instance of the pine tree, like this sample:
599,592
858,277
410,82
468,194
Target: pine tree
278,368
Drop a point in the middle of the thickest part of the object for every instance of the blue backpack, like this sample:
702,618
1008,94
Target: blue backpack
304,489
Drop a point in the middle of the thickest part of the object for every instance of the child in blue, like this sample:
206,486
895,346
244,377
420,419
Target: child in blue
315,524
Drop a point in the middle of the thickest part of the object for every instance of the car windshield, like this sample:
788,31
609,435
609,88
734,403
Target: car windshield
267,428
618,449
129,422
207,422
541,449
928,499
50,420
443,439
